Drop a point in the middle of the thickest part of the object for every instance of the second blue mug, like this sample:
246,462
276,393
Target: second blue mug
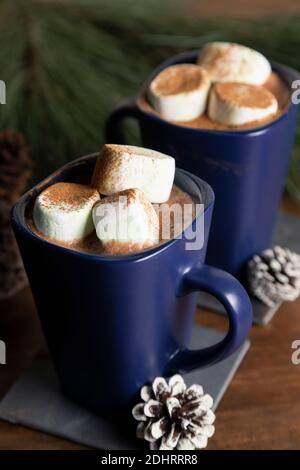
246,169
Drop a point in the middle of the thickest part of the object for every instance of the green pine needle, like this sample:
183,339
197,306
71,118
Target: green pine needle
67,63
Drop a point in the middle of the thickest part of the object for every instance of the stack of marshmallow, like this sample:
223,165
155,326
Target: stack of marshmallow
118,204
227,81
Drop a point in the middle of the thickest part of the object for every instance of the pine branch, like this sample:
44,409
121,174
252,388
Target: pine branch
67,63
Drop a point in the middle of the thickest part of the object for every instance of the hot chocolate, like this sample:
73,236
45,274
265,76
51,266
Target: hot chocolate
274,84
78,216
231,87
91,244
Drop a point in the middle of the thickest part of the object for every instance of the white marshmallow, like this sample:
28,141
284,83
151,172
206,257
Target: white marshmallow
237,103
63,211
230,62
121,167
179,92
126,218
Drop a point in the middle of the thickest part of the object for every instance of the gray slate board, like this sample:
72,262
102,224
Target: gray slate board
36,401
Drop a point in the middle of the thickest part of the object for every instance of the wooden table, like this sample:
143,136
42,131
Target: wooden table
261,408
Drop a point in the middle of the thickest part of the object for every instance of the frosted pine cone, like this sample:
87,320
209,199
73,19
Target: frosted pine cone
173,416
274,275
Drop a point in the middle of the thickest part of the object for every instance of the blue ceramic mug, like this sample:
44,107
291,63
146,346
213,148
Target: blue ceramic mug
246,169
113,323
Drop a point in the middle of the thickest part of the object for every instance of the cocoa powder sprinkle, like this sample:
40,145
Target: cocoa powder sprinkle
220,62
91,244
67,195
179,79
250,96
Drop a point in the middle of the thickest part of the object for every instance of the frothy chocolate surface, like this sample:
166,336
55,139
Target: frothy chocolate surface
91,244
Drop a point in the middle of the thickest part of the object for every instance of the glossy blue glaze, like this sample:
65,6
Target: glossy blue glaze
114,323
246,169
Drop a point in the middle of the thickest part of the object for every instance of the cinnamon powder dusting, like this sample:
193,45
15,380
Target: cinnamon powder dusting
250,96
91,244
179,79
218,62
67,195
128,196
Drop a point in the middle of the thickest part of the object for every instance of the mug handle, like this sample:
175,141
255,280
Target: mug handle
113,128
237,304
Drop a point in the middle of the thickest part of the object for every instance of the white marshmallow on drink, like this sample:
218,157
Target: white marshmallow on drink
121,167
230,62
179,92
63,211
126,218
236,104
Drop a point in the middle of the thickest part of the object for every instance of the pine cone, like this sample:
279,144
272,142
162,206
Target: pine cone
15,164
274,275
15,168
173,416
12,274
